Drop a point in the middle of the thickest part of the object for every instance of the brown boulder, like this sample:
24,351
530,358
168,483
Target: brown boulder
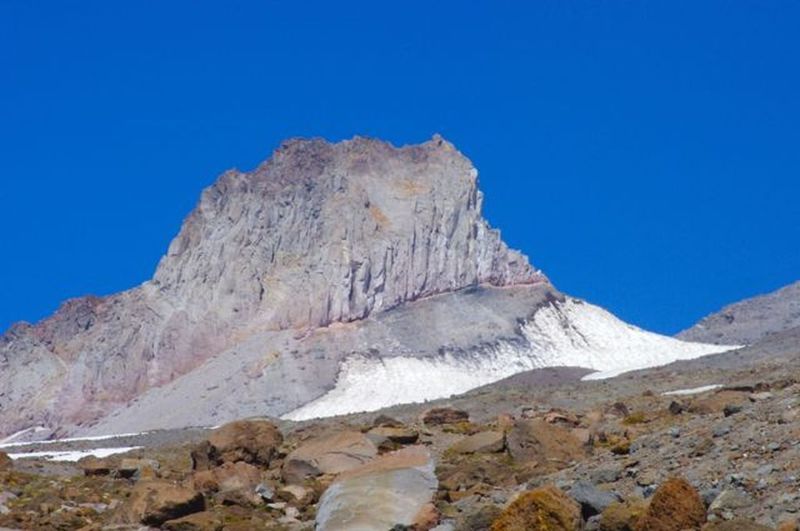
622,516
231,483
483,442
543,508
5,461
138,468
444,415
675,506
250,441
551,445
153,502
332,454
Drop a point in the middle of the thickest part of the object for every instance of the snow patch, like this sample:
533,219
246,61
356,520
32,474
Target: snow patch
74,455
573,333
5,444
692,391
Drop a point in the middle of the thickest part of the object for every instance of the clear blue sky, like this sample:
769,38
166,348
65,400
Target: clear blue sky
646,155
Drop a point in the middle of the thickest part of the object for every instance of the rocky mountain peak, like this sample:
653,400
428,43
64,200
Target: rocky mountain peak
325,232
320,233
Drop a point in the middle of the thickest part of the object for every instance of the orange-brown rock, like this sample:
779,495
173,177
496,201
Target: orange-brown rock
231,483
5,461
250,441
536,440
153,502
622,516
546,508
675,506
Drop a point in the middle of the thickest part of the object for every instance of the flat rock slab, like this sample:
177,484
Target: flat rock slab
483,442
396,488
333,454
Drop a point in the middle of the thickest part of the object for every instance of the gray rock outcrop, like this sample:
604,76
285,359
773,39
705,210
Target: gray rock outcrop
751,320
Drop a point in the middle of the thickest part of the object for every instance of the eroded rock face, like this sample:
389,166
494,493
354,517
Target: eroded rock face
320,233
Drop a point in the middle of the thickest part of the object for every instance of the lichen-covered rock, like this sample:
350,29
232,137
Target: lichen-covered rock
546,508
623,516
675,506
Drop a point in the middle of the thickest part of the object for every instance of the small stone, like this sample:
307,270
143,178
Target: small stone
675,432
774,446
758,397
675,408
731,409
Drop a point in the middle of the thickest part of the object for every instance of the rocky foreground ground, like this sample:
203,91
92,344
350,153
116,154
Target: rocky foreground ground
541,450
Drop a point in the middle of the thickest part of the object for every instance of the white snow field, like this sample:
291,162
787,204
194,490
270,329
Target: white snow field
573,333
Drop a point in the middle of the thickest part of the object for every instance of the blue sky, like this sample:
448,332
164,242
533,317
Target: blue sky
644,154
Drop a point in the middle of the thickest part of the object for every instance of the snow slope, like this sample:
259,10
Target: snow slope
572,333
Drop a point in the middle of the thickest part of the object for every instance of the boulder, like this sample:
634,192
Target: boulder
550,445
542,508
729,501
623,516
395,489
250,441
153,502
5,461
592,500
675,506
482,442
331,454
231,483
444,415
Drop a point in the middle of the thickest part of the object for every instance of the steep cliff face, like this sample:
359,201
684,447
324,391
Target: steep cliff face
321,233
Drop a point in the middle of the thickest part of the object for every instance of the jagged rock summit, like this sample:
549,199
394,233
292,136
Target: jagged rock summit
333,276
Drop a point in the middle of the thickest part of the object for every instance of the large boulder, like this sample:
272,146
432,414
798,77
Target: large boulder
153,502
394,489
542,508
623,516
231,483
675,506
332,454
550,445
250,441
